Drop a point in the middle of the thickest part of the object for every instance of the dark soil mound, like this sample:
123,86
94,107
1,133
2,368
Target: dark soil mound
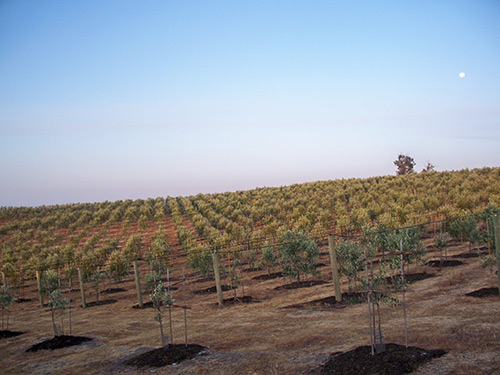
204,279
113,290
100,303
412,277
5,334
474,254
162,357
485,292
21,300
244,299
267,276
301,284
59,342
145,305
396,360
212,289
252,269
330,302
446,263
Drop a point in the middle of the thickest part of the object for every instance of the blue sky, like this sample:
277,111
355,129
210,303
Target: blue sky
107,100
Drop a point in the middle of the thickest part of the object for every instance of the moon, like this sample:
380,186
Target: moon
461,74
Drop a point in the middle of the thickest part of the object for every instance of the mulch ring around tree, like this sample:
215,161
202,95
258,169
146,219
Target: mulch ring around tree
268,276
445,263
175,353
100,303
328,303
484,292
252,269
238,300
58,342
22,300
213,289
113,290
412,277
396,360
301,284
473,254
5,334
145,305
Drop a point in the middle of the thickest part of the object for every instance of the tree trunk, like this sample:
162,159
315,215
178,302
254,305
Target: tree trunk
98,278
161,330
215,258
39,286
497,246
53,321
138,283
69,306
335,269
82,287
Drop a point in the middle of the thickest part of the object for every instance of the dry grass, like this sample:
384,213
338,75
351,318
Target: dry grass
263,338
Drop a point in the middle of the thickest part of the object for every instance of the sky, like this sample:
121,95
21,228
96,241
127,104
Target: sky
109,100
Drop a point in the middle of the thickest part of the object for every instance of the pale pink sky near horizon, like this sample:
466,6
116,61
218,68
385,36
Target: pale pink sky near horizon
116,100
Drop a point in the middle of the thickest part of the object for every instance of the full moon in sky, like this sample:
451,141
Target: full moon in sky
461,74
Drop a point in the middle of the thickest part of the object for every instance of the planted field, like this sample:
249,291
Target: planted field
267,337
246,280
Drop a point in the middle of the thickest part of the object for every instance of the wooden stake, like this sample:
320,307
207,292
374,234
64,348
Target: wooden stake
39,286
185,308
497,245
335,268
4,281
169,308
138,284
69,306
82,288
215,258
404,290
369,307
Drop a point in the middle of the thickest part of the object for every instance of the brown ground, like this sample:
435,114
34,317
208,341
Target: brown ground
264,338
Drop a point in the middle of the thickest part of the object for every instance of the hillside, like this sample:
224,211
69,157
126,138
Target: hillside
434,230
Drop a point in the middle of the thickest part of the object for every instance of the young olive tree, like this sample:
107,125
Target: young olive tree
161,297
6,300
350,256
117,266
233,271
158,255
199,257
298,254
56,301
441,242
69,270
465,229
268,259
132,252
